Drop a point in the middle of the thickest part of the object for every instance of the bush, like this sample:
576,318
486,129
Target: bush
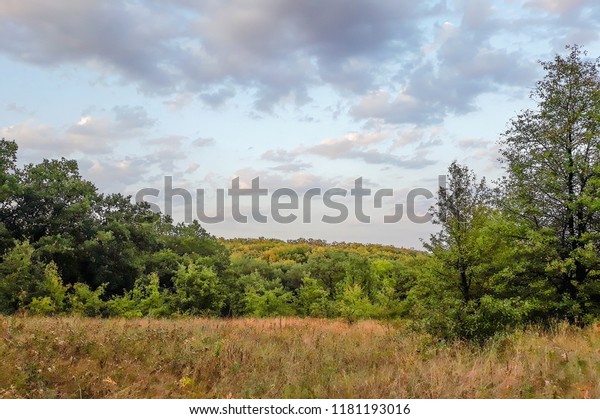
85,302
489,316
447,317
313,300
198,290
53,294
354,305
20,278
262,302
42,306
124,306
146,299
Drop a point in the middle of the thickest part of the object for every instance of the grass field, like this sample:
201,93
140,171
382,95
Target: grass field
287,358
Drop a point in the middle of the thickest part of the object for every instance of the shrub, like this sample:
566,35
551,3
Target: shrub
53,294
198,290
354,305
20,278
262,302
313,300
85,302
42,306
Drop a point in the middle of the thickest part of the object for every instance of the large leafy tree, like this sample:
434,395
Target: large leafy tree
124,237
53,200
54,211
552,155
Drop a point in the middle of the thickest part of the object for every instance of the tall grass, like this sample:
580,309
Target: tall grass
287,358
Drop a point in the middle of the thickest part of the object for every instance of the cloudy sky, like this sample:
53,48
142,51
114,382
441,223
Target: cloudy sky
303,94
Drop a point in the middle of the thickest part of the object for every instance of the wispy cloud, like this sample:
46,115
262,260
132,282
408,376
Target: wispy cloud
93,133
354,146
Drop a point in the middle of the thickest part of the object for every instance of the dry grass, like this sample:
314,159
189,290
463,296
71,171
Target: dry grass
292,358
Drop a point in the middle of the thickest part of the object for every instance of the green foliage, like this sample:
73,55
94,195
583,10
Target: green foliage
153,302
354,304
438,311
461,211
6,240
552,156
52,199
165,263
53,294
20,278
313,300
328,266
198,290
433,304
124,306
85,302
235,286
9,184
42,306
269,300
145,300
525,252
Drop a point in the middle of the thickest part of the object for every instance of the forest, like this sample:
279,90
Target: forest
521,250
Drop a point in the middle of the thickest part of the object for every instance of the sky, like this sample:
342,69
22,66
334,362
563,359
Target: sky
299,94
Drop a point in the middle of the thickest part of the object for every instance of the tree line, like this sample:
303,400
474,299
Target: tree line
524,249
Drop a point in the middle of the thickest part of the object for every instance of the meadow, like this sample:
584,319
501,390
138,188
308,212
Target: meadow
73,357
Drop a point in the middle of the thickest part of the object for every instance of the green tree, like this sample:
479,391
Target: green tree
472,286
118,250
193,239
8,178
461,210
552,155
53,200
235,287
21,277
434,304
8,189
6,240
54,209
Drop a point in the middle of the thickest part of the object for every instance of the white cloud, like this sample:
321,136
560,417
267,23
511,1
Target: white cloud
90,134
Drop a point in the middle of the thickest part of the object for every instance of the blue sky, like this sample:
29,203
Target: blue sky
302,94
